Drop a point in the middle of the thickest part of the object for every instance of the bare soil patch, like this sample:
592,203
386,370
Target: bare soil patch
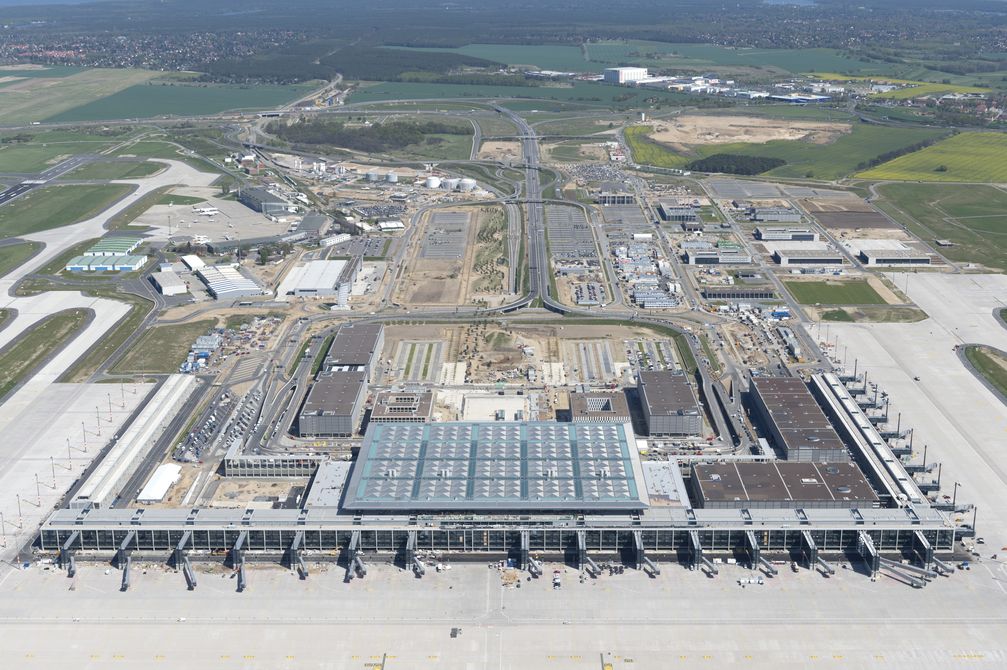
696,129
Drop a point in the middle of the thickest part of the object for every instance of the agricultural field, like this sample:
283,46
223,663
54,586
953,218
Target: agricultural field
162,348
546,57
155,99
14,255
39,342
57,206
583,93
991,364
108,170
967,157
835,159
37,98
847,292
972,216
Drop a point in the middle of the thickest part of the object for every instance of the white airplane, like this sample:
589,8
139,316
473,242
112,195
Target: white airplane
206,211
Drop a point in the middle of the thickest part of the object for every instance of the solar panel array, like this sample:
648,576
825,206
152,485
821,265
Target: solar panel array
494,465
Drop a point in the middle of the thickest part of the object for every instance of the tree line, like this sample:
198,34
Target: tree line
370,139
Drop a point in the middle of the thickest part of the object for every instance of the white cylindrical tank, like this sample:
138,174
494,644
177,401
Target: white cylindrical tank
467,184
432,182
392,178
451,184
373,176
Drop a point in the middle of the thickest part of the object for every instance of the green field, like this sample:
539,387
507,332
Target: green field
967,157
32,349
112,340
856,292
37,156
166,149
547,57
163,348
57,206
14,255
106,170
178,200
972,216
42,99
583,93
991,364
438,147
155,99
835,160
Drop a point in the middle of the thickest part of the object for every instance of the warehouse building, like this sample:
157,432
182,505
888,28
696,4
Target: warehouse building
333,405
226,283
262,200
780,485
402,407
79,264
669,404
590,407
324,279
672,211
113,246
494,467
894,257
774,214
785,234
624,75
727,256
790,418
168,283
807,257
615,197
356,347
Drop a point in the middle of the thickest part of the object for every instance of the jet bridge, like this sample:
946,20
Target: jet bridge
698,560
923,549
180,558
584,561
238,559
295,555
354,564
867,551
641,556
809,551
66,557
124,558
755,553
417,565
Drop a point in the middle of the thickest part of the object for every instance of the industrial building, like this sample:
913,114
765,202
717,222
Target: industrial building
402,407
592,407
227,283
333,406
356,347
263,200
780,485
790,341
491,466
669,404
774,214
615,198
789,417
785,234
324,279
669,211
168,283
116,245
894,257
807,257
739,293
624,75
727,256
